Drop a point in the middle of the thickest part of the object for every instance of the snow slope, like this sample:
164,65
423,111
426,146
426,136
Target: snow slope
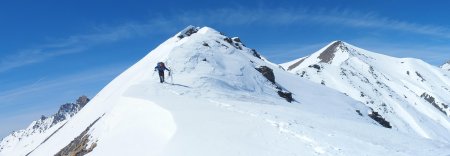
411,95
23,141
220,104
446,66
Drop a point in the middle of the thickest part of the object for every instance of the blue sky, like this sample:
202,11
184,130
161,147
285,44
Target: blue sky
51,52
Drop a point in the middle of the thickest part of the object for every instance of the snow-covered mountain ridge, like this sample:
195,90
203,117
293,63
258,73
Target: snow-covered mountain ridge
27,139
224,98
446,66
411,95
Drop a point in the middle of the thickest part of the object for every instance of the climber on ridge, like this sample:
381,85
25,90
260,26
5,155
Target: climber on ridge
161,67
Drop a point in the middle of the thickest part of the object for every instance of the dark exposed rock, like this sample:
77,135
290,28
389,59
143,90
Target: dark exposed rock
82,101
205,44
419,75
303,73
236,39
267,73
236,45
328,54
296,64
378,118
256,54
64,112
285,95
281,67
314,66
224,46
228,40
430,99
79,146
187,32
69,109
232,41
359,112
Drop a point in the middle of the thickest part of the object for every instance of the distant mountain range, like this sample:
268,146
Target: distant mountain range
22,141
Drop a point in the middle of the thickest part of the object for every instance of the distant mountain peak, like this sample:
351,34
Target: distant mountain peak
384,83
41,128
327,55
69,109
188,31
446,66
82,101
334,53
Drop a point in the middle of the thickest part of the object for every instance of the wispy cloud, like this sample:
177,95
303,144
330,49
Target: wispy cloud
80,43
31,56
238,16
72,81
436,54
23,104
45,95
332,17
372,20
286,16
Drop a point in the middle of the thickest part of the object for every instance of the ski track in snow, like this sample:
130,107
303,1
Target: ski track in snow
283,127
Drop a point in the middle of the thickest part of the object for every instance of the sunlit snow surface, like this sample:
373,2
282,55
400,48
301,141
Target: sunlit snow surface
219,104
394,87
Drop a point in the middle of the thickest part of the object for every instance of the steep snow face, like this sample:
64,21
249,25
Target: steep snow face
410,94
446,66
23,141
219,101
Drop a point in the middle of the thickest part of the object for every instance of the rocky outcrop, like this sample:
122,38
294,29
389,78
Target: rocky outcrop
255,53
82,101
430,99
70,109
328,54
296,64
188,31
267,73
286,95
80,145
43,124
237,43
316,66
378,118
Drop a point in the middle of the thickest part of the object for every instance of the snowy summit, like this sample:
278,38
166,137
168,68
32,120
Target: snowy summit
410,95
446,66
223,98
